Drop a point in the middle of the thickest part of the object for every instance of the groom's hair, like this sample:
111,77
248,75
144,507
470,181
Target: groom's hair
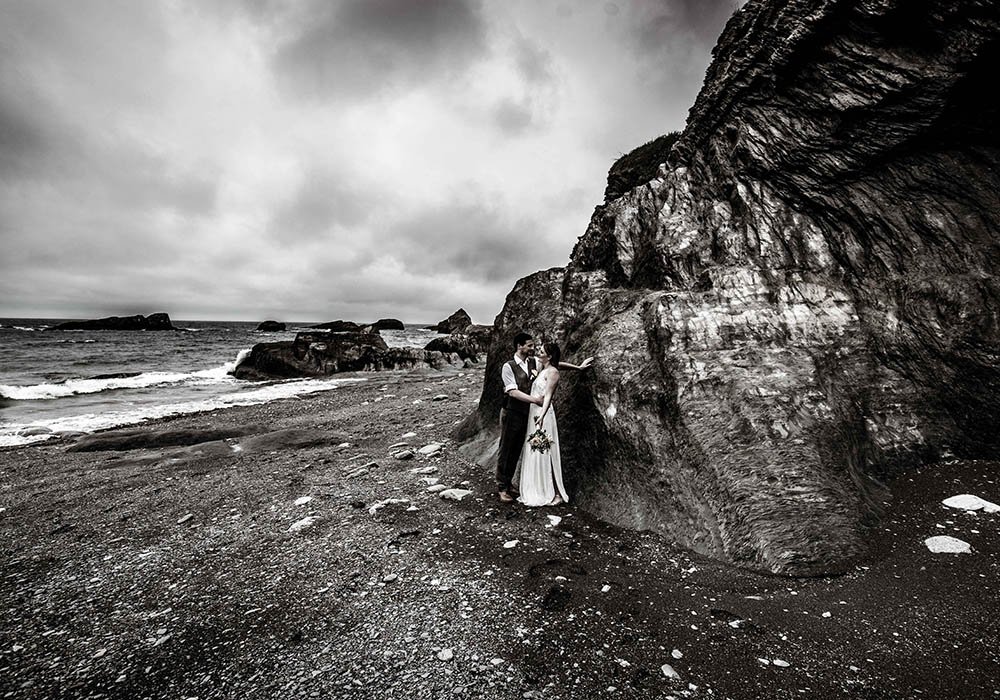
520,339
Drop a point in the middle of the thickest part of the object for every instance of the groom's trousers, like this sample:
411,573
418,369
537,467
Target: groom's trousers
513,432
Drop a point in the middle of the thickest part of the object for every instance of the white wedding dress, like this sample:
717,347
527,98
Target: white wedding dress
541,472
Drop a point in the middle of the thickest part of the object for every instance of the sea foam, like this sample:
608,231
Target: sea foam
75,387
89,422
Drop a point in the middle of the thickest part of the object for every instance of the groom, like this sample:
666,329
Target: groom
517,375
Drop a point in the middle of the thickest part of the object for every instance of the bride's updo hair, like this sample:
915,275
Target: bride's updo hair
554,353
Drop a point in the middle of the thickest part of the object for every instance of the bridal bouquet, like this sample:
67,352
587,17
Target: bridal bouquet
540,441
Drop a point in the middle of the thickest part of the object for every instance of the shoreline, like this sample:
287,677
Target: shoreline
173,570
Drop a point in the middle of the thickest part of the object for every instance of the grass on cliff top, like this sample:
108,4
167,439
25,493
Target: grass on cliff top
639,165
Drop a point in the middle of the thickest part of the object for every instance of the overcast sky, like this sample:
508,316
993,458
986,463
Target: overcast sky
319,159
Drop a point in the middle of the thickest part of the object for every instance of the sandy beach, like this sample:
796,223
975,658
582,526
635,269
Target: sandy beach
283,551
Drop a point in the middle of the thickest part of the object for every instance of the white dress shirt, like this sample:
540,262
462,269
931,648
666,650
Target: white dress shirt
507,374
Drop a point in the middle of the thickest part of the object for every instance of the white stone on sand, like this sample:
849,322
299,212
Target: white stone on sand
967,501
943,544
455,494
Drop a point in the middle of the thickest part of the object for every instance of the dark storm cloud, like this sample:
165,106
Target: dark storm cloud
325,201
512,117
534,63
20,137
659,27
474,239
363,47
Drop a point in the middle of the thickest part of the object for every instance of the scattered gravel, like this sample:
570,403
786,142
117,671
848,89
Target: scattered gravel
390,591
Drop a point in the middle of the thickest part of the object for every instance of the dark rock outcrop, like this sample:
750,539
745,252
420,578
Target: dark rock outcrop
321,354
385,324
139,438
456,323
271,326
457,343
471,344
804,301
153,322
339,326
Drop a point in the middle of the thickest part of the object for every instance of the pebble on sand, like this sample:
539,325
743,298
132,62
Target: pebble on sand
967,501
669,671
437,488
408,435
943,544
374,507
185,518
446,655
431,449
455,494
510,544
302,500
302,524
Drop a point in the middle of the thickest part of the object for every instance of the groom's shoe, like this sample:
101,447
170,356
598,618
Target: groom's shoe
505,497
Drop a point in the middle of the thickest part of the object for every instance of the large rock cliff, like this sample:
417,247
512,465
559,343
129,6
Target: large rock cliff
803,303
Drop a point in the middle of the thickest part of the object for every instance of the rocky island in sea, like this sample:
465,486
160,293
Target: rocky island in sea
781,466
153,322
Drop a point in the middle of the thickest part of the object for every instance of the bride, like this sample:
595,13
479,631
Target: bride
541,471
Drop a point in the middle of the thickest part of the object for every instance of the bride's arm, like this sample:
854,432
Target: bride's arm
550,388
583,365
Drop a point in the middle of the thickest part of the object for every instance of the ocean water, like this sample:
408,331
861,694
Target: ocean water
52,381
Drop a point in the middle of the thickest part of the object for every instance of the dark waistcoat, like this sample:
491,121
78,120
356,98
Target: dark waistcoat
523,383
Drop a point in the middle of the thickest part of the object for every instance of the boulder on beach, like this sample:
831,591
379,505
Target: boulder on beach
271,326
456,323
315,354
153,322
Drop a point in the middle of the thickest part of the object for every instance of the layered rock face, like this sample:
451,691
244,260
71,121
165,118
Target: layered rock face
804,302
